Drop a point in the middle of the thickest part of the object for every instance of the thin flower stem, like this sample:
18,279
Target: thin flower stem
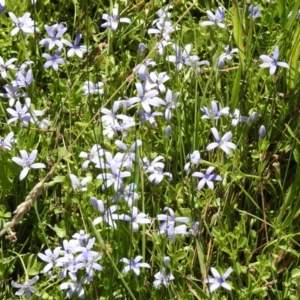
101,242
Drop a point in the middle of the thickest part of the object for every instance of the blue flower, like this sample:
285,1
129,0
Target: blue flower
134,265
214,112
171,103
226,56
272,63
55,35
53,61
76,48
26,287
146,98
215,19
107,215
162,278
89,88
182,57
24,23
194,158
27,162
253,12
168,224
217,280
114,20
6,65
207,178
221,142
75,286
2,6
12,93
262,131
49,257
6,144
22,80
135,218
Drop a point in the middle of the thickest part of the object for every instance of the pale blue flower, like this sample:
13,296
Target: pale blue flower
50,257
89,88
116,177
88,259
22,80
168,131
81,237
128,194
157,80
254,12
171,103
217,280
54,60
2,6
226,56
7,143
169,221
129,153
136,218
207,178
162,278
55,37
214,112
166,260
150,167
272,63
236,117
194,230
75,286
24,23
6,65
149,116
158,175
77,184
134,265
93,156
146,98
76,48
107,215
262,131
182,57
194,159
142,69
12,92
27,162
114,20
26,288
163,30
215,19
221,142
163,15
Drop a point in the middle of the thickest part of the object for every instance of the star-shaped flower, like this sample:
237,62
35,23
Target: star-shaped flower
272,63
27,162
217,280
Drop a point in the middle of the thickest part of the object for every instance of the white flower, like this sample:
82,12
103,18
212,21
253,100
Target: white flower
90,88
24,23
6,144
113,21
162,278
217,280
27,162
79,185
135,218
26,288
134,265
